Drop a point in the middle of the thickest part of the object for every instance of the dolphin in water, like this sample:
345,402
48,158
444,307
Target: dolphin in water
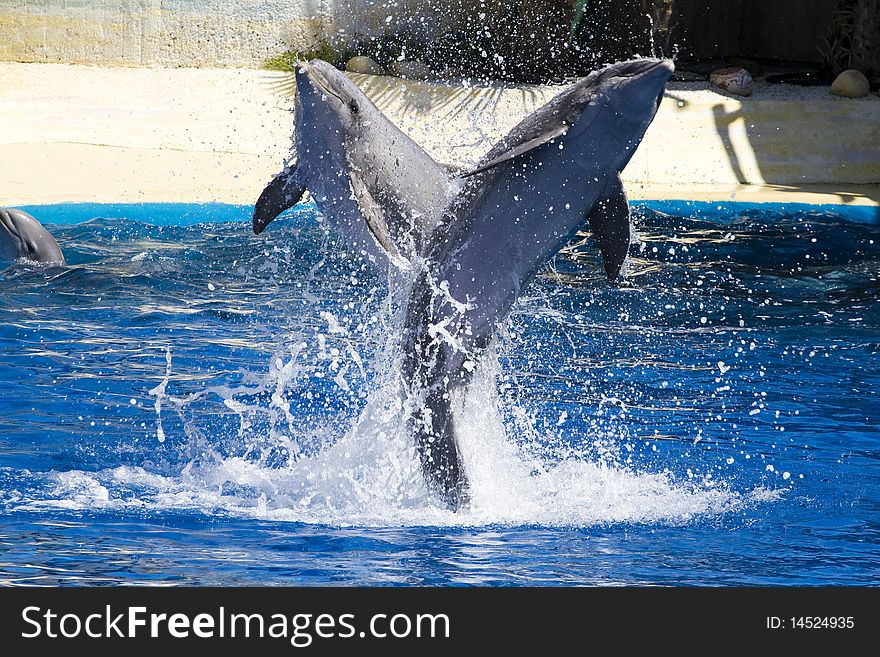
380,189
22,238
527,198
477,246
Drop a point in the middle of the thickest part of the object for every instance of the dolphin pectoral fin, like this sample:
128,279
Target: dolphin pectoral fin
610,222
285,191
375,218
516,151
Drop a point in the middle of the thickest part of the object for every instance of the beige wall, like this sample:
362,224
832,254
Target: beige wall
114,134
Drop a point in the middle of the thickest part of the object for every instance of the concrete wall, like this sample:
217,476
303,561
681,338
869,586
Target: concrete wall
186,32
247,32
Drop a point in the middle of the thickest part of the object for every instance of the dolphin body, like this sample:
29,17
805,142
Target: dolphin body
477,247
525,201
23,238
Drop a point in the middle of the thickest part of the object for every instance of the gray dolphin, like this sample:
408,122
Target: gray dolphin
380,189
23,238
525,201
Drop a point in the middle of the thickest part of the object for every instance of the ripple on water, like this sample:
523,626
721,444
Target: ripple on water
709,420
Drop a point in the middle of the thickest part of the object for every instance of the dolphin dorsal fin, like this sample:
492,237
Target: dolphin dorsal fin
525,147
610,222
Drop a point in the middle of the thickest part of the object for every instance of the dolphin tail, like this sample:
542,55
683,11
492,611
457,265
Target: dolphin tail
438,451
428,375
610,222
285,191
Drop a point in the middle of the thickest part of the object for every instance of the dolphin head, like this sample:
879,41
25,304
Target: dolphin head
23,238
624,97
328,96
328,114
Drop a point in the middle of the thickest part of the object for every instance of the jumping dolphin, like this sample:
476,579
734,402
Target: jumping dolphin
382,191
475,248
23,238
526,200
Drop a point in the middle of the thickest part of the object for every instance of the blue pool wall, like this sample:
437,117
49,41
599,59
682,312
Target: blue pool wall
188,214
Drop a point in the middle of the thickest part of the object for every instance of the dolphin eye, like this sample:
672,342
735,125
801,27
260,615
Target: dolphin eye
353,106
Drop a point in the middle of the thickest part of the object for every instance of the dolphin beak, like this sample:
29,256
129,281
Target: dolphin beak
659,74
282,193
661,68
665,65
313,73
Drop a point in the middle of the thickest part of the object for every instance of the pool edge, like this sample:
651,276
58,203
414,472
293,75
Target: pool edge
183,214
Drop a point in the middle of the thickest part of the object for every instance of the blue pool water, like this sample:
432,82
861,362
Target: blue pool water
188,403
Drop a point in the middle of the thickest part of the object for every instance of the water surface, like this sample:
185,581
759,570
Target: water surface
187,403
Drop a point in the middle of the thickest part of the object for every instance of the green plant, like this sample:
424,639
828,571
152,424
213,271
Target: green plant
579,8
516,40
287,60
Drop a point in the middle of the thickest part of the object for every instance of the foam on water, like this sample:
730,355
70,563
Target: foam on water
338,488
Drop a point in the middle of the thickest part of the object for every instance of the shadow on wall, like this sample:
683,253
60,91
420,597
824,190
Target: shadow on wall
448,102
795,144
443,101
473,118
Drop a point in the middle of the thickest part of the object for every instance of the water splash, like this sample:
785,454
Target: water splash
371,476
159,393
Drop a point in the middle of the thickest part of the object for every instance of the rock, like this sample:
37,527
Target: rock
412,70
733,80
363,64
851,84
